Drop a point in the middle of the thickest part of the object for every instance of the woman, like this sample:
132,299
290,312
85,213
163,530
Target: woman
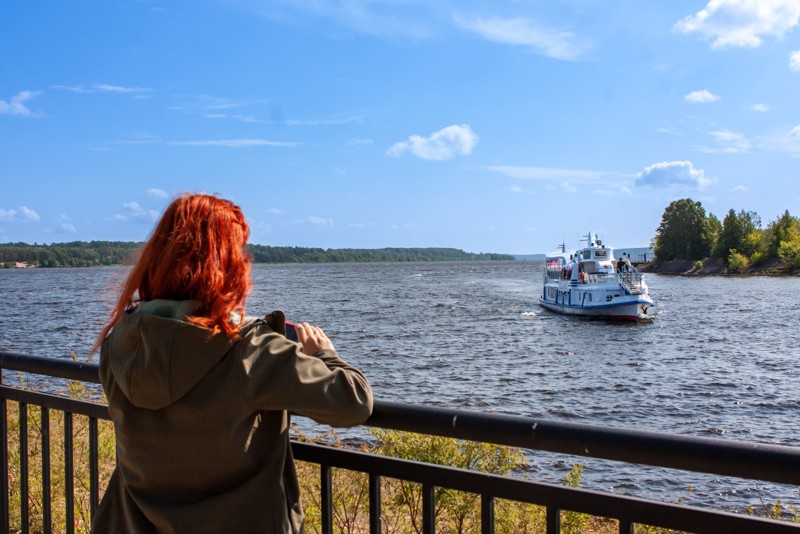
199,397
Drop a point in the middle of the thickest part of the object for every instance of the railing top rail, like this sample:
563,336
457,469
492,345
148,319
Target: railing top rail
775,463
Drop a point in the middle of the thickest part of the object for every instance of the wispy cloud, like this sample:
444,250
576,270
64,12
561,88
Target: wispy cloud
133,211
760,107
22,214
548,174
669,174
728,142
393,19
784,140
742,23
566,180
319,221
739,189
135,92
357,142
16,104
701,97
794,60
445,144
555,43
155,192
236,143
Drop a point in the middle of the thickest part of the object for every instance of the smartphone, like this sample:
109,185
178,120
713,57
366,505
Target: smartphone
291,333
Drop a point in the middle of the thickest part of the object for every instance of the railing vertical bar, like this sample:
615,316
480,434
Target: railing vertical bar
374,504
69,475
326,498
553,520
487,514
23,466
428,509
625,526
4,508
94,468
47,521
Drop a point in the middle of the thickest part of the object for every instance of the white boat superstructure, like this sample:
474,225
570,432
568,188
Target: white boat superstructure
592,282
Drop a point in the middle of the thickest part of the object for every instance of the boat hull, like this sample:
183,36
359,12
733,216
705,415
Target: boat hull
635,310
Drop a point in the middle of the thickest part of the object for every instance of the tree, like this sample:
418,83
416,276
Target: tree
684,233
736,234
785,229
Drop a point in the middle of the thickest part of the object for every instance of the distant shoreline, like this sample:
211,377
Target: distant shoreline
717,267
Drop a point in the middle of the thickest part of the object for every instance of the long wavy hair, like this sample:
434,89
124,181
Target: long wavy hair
196,252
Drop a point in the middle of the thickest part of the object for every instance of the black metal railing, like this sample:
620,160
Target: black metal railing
774,463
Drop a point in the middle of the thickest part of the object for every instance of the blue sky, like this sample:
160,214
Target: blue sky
490,126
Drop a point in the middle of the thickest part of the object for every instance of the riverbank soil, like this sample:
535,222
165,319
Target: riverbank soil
717,267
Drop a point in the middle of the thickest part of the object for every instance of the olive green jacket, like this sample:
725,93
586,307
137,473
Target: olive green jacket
202,424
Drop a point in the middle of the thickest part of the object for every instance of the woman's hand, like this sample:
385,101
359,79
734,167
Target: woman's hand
312,338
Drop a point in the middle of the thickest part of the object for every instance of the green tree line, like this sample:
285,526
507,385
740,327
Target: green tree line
687,232
95,253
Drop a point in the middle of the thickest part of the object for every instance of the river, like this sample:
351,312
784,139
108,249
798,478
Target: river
720,359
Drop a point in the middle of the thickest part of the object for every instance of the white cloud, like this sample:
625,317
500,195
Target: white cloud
67,228
794,60
276,211
742,22
16,106
739,189
672,173
442,145
28,214
701,97
728,142
319,221
558,44
236,143
155,192
762,108
23,214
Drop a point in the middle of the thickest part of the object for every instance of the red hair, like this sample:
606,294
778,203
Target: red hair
196,252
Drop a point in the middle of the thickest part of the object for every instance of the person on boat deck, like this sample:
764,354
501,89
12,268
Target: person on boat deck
628,264
200,396
620,265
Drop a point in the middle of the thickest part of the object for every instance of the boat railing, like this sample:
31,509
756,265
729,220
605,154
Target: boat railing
632,280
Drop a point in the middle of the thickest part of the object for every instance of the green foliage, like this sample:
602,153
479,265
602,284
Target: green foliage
736,229
96,253
456,511
789,252
737,263
785,229
269,254
698,264
685,232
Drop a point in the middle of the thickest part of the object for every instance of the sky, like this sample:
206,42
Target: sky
505,126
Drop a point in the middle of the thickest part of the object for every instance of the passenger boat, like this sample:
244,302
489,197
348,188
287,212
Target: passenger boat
593,283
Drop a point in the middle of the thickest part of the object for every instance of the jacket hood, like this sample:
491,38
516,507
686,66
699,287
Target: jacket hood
156,357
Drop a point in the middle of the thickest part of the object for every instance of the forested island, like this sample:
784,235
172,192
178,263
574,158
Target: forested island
690,241
97,253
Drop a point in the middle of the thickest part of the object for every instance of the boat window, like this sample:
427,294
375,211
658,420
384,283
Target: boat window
601,254
587,254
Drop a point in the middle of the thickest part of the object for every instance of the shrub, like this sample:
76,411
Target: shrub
737,263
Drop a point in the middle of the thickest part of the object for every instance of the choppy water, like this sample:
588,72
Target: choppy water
722,357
